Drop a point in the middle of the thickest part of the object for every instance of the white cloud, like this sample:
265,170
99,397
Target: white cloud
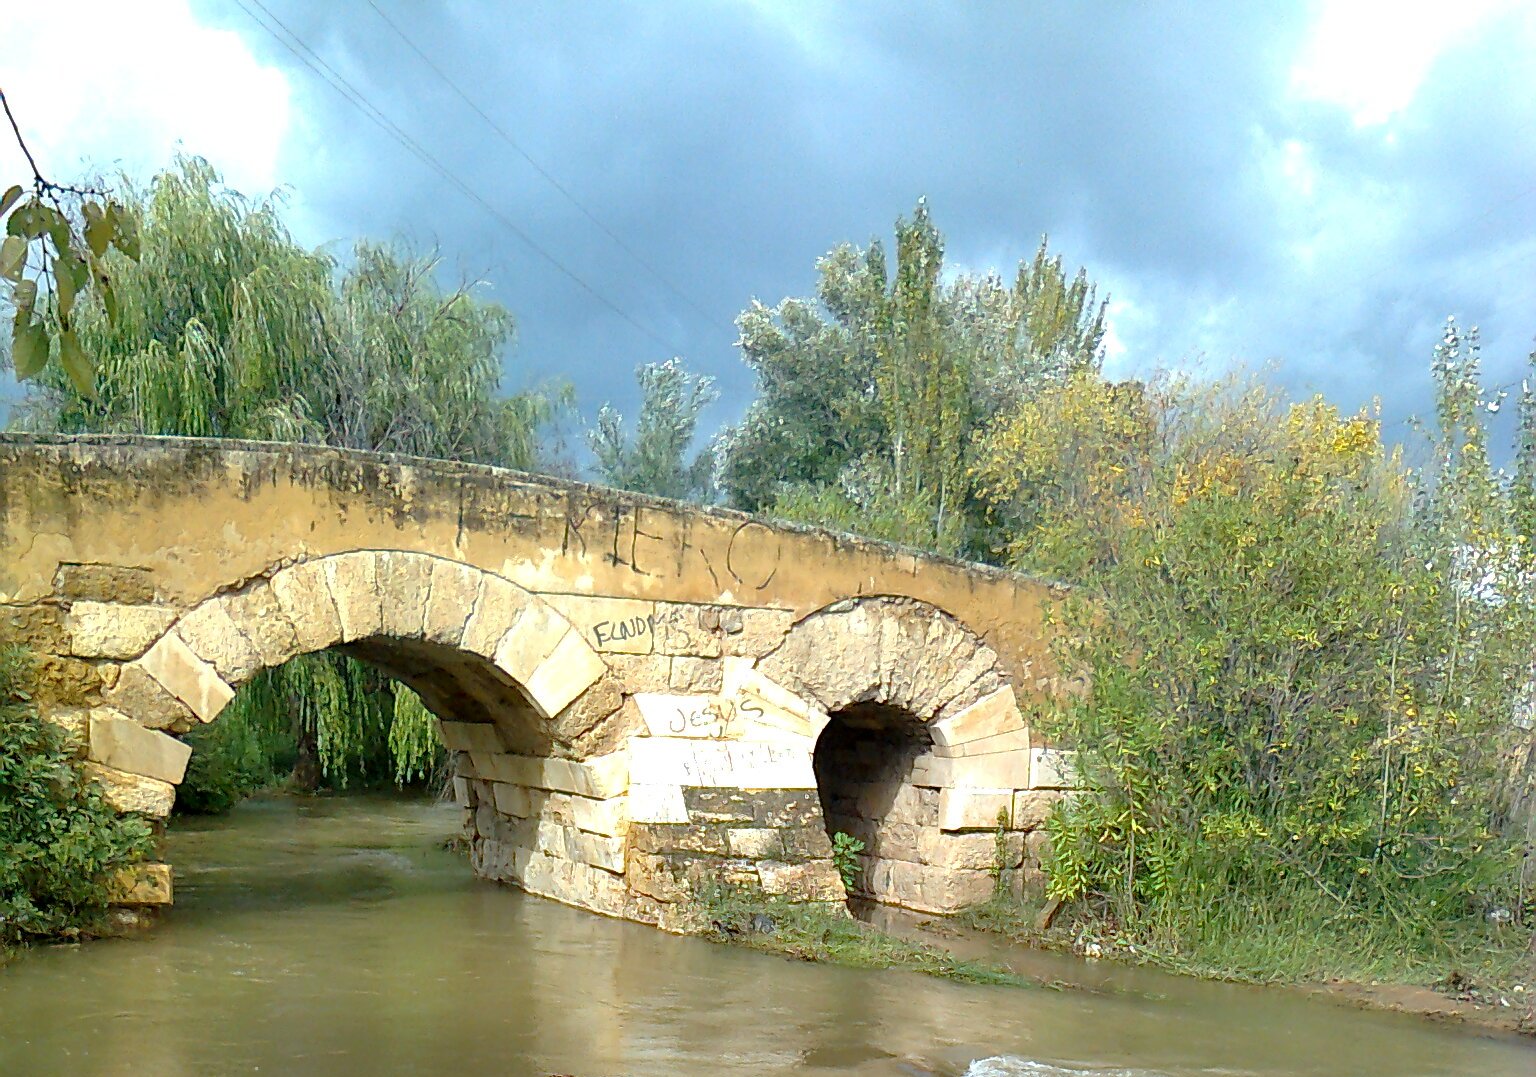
98,85
1370,56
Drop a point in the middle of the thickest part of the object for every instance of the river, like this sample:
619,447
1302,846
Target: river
336,936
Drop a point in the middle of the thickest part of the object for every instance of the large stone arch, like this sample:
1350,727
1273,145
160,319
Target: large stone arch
521,698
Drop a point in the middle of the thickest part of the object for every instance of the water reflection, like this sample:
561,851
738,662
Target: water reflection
336,937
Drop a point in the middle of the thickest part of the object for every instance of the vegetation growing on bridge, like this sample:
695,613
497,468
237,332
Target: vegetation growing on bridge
60,843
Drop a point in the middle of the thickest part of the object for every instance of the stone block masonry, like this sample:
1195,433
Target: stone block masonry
642,698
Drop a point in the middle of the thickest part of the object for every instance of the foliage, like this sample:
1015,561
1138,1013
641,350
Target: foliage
60,843
1301,660
227,328
55,250
870,394
655,460
845,858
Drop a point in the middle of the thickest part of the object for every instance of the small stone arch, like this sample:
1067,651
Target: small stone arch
925,755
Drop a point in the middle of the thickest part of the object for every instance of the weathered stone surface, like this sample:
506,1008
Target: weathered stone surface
687,629
212,635
670,714
1005,770
571,668
732,764
303,592
641,673
257,613
471,737
123,744
59,681
806,843
977,851
109,630
148,701
39,627
1015,741
884,650
187,677
607,817
142,884
816,881
404,580
754,843
653,803
353,579
132,792
988,717
284,537
1050,768
753,633
1031,809
74,724
974,809
598,850
105,583
705,805
610,625
535,635
927,888
497,608
451,600
696,676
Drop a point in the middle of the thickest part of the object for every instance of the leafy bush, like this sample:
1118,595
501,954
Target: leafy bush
59,841
1301,660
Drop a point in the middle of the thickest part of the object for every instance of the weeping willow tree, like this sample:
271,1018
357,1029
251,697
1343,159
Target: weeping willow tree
225,327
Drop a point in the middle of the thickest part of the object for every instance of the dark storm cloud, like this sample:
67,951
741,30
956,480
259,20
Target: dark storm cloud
732,144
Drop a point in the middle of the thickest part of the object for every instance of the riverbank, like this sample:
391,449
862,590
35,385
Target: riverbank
1491,1001
985,947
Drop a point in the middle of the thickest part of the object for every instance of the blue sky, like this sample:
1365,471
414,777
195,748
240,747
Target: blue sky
1314,186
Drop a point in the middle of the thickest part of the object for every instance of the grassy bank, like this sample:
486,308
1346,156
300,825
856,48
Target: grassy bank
828,934
1289,939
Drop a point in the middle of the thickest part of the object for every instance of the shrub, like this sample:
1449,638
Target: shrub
59,841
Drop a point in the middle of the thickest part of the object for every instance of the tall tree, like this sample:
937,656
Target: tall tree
225,327
869,396
655,460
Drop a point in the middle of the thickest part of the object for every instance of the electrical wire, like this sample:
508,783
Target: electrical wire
377,116
554,182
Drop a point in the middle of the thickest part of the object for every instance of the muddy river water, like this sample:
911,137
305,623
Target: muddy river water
336,936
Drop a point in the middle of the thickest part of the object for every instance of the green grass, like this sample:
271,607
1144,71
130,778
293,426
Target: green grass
1284,938
829,934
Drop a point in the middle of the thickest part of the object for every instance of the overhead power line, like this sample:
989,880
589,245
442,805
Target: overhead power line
355,97
552,180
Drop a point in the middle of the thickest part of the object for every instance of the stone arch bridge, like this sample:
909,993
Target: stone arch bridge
640,696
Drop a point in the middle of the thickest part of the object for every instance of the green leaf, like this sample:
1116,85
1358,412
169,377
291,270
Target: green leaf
124,230
10,198
29,348
98,229
13,257
24,298
70,276
79,368
27,222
